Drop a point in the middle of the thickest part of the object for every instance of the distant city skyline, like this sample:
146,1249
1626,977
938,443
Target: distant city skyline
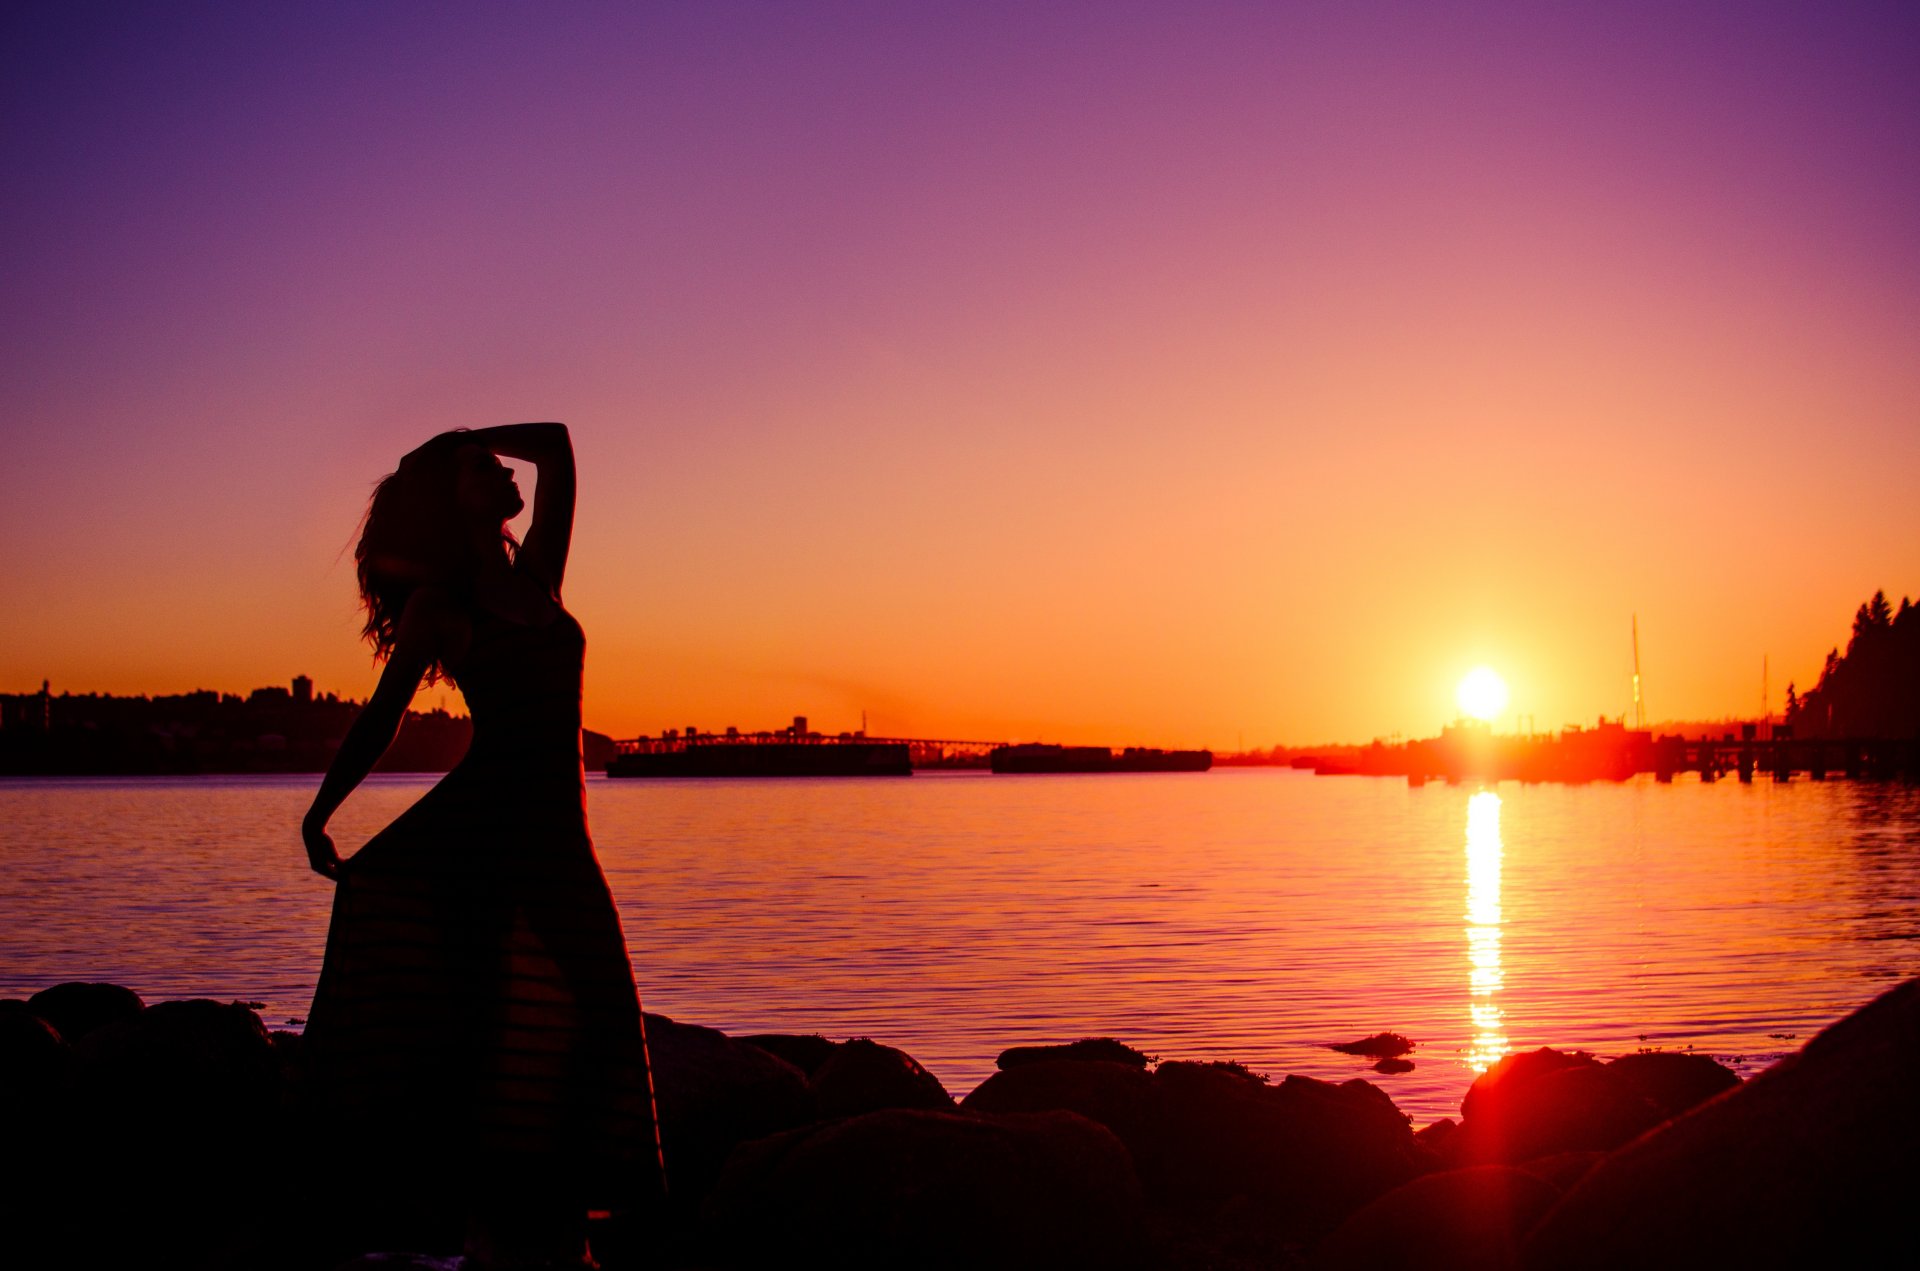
1113,375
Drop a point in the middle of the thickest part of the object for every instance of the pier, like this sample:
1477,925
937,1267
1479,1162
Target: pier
1784,758
1611,752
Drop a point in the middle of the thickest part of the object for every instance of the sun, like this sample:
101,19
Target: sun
1483,694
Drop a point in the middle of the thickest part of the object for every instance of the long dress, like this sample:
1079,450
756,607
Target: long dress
476,1012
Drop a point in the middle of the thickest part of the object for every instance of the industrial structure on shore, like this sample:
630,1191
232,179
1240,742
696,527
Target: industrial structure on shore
798,751
793,751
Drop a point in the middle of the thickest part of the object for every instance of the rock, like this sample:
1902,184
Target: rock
40,1204
77,1008
1098,1049
806,1053
182,1092
1356,1099
1547,1101
1392,1066
1440,1141
199,1064
1302,1154
1220,1144
713,1093
856,1076
1378,1046
1517,1070
175,1106
1814,1162
290,1054
1117,1095
34,1059
1673,1081
289,1047
864,1076
1562,1169
1461,1220
932,1189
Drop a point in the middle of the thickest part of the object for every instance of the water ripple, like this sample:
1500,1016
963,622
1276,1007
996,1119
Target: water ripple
1247,915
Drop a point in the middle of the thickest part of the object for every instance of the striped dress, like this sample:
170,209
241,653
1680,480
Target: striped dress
477,1006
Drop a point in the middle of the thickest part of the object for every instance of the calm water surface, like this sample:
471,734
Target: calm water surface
1241,914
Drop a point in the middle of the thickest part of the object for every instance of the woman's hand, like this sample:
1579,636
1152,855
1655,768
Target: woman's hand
321,854
543,552
417,643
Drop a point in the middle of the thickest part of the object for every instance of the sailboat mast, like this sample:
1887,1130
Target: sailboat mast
1766,699
1639,706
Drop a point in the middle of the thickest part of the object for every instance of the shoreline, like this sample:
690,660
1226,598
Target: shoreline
789,1145
1419,1091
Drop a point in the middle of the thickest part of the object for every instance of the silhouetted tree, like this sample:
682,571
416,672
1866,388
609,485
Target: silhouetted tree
1873,690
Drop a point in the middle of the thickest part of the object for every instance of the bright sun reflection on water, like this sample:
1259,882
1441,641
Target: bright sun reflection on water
1483,931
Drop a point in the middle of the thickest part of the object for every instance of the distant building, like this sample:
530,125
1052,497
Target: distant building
31,711
302,691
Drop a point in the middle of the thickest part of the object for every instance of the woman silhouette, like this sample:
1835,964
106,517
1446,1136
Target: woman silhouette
476,1032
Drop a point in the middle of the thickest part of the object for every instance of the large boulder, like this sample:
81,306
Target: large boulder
805,1051
931,1189
77,1008
1673,1081
1544,1102
1438,1142
1301,1155
34,1058
1216,1142
174,1106
864,1076
714,1092
1096,1049
1461,1220
197,1066
1514,1072
1815,1162
1562,1169
1118,1096
39,1204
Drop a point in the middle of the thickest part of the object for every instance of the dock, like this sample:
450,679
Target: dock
1784,758
1610,751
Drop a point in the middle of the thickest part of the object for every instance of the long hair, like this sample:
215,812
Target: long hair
412,536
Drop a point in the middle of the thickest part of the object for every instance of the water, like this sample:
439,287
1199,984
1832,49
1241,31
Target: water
1253,915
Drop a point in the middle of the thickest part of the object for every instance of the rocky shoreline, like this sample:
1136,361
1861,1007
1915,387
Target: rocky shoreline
179,1134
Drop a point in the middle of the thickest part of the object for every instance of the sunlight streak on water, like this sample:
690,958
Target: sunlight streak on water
1483,931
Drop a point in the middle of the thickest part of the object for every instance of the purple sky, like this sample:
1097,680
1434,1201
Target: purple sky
1145,372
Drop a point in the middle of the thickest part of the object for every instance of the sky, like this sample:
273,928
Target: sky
1176,374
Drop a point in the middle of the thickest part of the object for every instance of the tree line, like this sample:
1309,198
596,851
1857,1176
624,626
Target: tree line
1871,690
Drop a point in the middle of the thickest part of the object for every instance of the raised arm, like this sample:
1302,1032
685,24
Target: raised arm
550,450
422,634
